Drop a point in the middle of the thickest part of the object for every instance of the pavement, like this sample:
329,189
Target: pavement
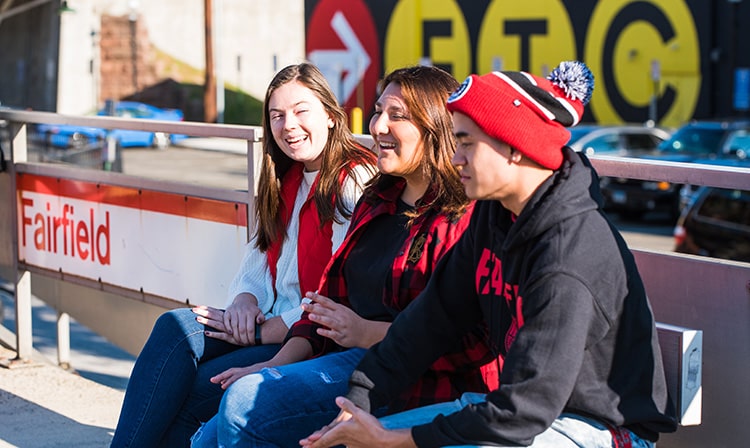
43,405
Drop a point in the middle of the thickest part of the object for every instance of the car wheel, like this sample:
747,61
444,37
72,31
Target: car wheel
160,140
632,215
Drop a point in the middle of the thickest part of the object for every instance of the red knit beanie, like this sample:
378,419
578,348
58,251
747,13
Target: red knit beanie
527,112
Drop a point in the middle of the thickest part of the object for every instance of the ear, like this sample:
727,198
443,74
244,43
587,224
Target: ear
515,155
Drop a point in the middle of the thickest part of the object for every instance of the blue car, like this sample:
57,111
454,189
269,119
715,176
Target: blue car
70,136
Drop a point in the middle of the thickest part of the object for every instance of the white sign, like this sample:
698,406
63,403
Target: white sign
169,245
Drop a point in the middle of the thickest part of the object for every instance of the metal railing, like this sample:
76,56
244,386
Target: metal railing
17,123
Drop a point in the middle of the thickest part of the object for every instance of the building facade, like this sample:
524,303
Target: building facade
72,60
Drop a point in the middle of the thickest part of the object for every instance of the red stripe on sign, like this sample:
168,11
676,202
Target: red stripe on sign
148,200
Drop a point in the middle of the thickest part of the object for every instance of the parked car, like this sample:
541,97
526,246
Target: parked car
715,142
707,140
624,141
716,223
628,197
70,136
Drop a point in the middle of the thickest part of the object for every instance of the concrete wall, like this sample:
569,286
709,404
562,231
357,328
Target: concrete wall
28,57
254,39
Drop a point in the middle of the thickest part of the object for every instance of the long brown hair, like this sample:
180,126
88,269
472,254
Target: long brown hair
341,152
425,90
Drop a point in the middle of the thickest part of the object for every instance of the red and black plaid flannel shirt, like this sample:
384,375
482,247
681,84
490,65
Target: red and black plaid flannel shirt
474,369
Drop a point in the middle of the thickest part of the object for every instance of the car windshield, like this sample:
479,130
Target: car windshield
576,133
739,141
732,206
694,141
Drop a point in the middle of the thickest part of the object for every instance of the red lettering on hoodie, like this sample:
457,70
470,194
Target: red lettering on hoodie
489,280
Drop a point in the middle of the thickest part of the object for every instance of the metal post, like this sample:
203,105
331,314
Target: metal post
132,20
63,340
209,83
653,114
24,338
254,163
218,71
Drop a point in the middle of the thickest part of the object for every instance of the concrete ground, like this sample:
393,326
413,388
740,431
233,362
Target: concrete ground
42,405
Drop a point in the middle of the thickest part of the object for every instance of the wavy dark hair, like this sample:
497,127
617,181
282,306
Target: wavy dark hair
341,152
426,90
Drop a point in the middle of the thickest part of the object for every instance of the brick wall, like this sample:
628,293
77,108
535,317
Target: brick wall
126,57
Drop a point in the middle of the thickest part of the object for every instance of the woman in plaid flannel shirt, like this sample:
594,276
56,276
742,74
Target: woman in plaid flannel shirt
411,214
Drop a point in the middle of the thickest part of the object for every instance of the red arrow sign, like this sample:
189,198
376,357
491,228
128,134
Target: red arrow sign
343,42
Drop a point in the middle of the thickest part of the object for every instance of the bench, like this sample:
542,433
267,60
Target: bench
682,355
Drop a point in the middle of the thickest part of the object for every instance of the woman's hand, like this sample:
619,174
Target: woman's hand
295,350
241,317
210,317
214,318
229,376
343,325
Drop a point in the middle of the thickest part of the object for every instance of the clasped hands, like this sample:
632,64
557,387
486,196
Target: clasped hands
236,324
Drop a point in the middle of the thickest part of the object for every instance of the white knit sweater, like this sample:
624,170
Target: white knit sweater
254,275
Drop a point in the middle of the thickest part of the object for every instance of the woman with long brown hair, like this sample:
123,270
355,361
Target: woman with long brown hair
313,172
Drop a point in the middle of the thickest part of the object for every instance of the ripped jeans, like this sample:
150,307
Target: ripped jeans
277,407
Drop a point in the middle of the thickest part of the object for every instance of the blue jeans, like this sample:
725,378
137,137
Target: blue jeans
169,393
277,407
567,431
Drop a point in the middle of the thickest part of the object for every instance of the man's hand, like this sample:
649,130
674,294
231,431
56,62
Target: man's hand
356,428
344,326
314,438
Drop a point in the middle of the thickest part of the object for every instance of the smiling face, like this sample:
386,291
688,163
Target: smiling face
299,123
397,138
484,163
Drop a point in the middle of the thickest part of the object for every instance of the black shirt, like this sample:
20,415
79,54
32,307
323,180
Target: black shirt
370,263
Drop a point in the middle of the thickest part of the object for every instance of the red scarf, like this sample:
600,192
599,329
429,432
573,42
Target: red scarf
314,244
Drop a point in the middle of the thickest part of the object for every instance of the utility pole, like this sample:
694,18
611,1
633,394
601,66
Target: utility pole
209,86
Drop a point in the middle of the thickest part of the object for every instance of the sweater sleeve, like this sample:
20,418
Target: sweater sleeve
254,277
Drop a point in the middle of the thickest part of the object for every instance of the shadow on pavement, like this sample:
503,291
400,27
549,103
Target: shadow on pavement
16,413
